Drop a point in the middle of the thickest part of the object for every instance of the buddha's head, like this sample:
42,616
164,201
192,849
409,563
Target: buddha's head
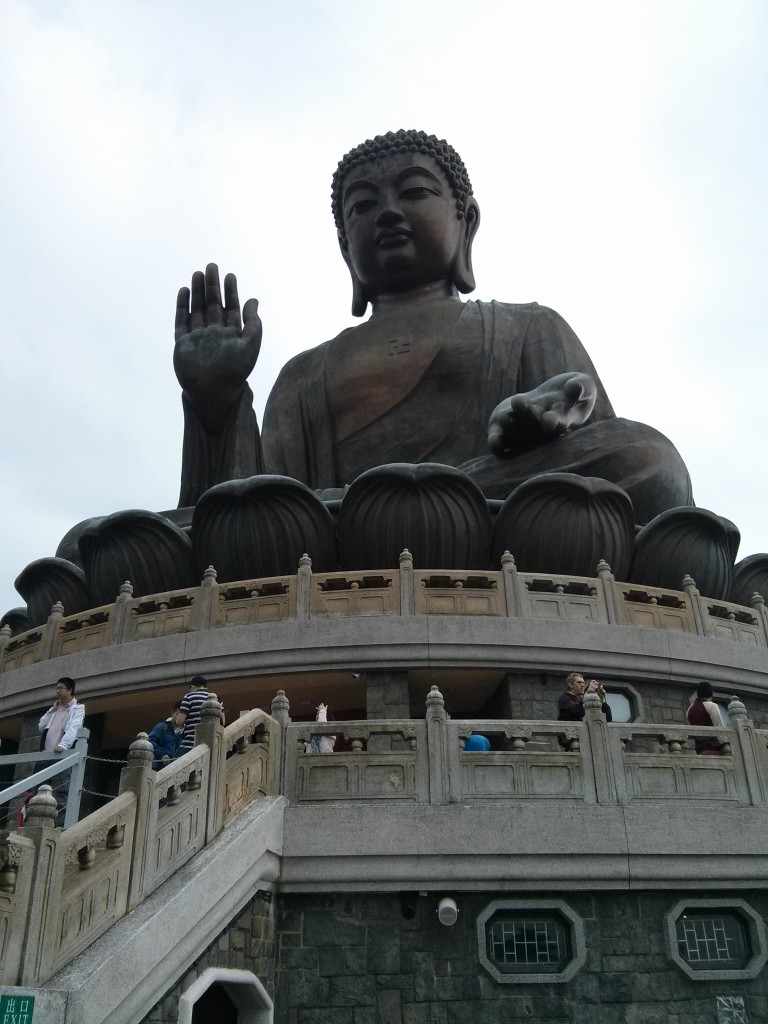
405,216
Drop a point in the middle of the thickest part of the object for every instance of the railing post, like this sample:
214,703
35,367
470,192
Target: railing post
757,601
50,630
280,711
407,602
437,747
749,752
40,827
122,613
6,635
303,588
76,776
17,860
688,585
611,602
603,765
206,599
210,731
511,585
138,778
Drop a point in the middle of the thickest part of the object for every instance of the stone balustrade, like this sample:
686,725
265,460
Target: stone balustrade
61,890
394,592
590,762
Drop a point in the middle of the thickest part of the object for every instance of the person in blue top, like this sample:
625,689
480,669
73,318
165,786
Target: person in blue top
166,738
477,742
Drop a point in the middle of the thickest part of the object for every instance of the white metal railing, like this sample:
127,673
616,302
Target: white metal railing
73,761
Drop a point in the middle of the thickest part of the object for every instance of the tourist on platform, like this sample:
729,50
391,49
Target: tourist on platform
570,707
58,732
322,744
166,738
704,711
58,726
477,742
189,713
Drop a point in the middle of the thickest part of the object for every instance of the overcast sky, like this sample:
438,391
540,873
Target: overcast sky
619,153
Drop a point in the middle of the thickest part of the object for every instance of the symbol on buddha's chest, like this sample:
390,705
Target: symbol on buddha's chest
400,346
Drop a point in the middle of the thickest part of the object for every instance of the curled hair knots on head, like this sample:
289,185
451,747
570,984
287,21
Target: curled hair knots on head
403,141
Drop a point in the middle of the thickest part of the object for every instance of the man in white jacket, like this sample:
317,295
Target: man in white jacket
58,728
62,719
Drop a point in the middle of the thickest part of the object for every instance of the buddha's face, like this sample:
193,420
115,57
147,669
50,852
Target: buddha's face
400,222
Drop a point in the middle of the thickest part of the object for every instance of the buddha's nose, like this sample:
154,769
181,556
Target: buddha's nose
388,215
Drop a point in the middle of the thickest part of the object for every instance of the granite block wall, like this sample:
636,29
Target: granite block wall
248,943
357,960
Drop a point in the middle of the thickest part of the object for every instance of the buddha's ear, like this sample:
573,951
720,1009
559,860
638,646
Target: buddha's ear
463,277
359,298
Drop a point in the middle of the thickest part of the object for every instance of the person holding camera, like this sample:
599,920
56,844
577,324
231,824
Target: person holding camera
570,707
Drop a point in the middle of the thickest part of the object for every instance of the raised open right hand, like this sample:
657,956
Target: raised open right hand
215,351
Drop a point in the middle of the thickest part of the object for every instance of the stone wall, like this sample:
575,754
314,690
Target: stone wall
357,960
248,943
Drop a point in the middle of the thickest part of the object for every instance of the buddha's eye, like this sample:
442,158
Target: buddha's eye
419,192
360,206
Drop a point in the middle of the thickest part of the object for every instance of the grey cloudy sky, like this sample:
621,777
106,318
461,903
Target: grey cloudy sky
618,152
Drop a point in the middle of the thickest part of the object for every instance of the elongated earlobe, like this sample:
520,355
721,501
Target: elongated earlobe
461,273
359,298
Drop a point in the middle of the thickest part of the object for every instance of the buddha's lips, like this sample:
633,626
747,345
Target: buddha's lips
392,239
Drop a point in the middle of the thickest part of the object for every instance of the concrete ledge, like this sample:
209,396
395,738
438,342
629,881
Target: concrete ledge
122,975
495,847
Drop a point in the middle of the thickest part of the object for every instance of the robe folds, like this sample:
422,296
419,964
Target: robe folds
493,351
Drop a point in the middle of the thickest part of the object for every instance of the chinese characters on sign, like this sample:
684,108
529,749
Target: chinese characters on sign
16,1009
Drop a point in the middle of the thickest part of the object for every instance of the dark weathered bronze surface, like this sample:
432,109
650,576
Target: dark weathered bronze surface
48,580
563,523
503,391
261,527
435,511
142,547
750,576
686,542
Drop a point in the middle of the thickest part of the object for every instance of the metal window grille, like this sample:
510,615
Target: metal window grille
518,941
704,939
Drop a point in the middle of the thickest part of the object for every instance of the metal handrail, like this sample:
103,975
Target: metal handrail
60,764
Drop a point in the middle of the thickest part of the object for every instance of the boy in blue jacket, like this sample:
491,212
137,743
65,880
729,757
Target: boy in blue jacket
166,738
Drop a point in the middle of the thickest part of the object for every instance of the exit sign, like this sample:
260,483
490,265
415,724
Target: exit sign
16,1009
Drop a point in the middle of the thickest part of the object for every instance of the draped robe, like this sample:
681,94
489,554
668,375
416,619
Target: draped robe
494,350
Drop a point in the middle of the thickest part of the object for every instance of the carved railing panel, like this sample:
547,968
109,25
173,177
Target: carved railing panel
654,608
530,760
561,597
24,649
360,774
93,861
733,622
660,763
160,615
247,767
459,593
86,631
253,601
355,593
176,826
